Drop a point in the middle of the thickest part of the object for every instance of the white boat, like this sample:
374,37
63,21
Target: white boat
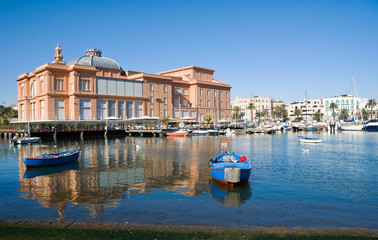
351,127
311,128
229,132
309,140
28,140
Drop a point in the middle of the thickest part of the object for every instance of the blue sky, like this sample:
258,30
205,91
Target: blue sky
277,49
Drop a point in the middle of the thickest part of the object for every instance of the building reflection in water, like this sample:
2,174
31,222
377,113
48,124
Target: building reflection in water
233,196
109,170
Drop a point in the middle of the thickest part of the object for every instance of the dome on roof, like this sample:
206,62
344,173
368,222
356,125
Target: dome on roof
94,58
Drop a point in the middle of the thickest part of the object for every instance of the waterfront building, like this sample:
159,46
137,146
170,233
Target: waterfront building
352,104
260,104
93,87
308,108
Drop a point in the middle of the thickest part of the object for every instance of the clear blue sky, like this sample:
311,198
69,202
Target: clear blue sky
270,48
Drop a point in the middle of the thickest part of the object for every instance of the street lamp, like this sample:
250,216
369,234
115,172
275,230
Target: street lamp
28,100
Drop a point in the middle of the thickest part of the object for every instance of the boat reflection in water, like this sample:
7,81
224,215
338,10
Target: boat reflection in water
44,171
233,196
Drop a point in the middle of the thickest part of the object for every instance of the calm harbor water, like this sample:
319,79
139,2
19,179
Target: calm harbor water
332,185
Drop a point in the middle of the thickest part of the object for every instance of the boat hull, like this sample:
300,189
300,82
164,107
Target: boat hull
219,176
309,140
182,134
57,159
351,127
28,140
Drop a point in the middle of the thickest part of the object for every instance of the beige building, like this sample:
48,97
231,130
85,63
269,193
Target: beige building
94,87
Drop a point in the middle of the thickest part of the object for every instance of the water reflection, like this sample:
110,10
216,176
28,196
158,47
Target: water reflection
233,196
109,170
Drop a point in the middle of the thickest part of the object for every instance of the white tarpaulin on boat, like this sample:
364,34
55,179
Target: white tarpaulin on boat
232,175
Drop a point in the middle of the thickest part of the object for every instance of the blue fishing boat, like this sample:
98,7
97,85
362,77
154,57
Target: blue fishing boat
52,159
229,168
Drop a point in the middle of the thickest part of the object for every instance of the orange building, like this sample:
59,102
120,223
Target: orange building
94,87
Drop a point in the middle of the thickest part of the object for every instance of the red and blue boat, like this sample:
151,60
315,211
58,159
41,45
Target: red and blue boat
52,159
230,168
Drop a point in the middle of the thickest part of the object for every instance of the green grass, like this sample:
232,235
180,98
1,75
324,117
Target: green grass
27,232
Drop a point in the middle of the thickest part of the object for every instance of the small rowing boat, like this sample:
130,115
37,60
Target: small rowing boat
229,168
309,140
52,159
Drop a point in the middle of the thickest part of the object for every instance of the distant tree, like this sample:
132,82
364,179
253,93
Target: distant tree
333,107
165,120
344,114
365,114
317,115
6,113
251,107
280,111
236,113
372,103
298,113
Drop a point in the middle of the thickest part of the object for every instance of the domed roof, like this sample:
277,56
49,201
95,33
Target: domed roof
94,58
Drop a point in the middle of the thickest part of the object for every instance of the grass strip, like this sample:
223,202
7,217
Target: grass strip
31,231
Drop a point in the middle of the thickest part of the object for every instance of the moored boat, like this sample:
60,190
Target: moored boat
309,140
181,133
351,127
371,125
28,140
52,159
200,132
229,168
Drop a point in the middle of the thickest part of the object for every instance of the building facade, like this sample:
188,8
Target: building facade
307,107
93,87
352,104
260,104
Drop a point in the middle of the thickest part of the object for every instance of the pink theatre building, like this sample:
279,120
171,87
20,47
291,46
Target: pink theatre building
94,87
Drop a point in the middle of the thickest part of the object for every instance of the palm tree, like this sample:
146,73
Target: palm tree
251,107
297,113
208,120
165,120
317,115
280,111
333,107
365,114
372,103
237,113
344,114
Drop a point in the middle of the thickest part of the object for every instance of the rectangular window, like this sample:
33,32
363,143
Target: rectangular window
177,102
226,104
208,92
138,109
112,108
58,85
193,114
185,91
184,113
100,110
226,94
85,109
175,113
200,91
151,87
151,112
151,100
165,100
165,112
129,109
165,88
120,109
59,109
177,90
221,104
215,93
200,103
42,86
84,85
185,103
208,103
220,93
42,113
